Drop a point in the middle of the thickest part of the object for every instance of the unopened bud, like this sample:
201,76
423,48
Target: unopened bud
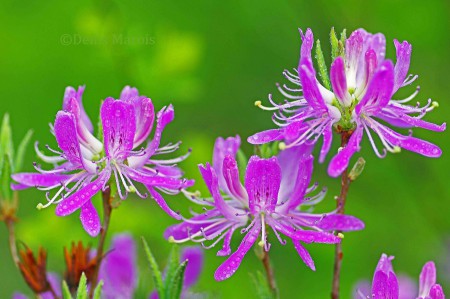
357,169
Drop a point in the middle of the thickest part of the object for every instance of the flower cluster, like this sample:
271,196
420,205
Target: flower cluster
273,192
386,285
85,165
357,97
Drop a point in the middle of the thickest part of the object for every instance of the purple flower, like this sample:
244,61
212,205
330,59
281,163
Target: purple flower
194,256
118,270
360,95
85,165
270,198
386,285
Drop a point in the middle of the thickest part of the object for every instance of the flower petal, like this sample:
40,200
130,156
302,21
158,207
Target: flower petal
262,182
304,255
339,81
40,179
145,116
384,286
211,181
437,292
230,266
66,136
266,136
341,160
331,222
162,203
164,117
353,52
157,180
70,93
232,179
379,91
226,248
307,43
119,127
327,140
222,148
90,219
427,279
385,264
310,86
119,268
128,93
403,51
75,201
194,256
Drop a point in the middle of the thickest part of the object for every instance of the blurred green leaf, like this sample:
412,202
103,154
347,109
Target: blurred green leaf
6,143
241,160
65,291
21,151
323,71
175,285
82,292
6,178
262,287
98,290
172,265
334,44
156,273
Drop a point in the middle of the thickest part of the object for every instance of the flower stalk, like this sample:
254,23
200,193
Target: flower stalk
265,259
340,205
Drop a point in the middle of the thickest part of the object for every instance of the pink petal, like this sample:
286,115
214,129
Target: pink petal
90,219
304,255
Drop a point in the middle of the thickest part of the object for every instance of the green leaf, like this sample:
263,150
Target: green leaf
98,290
275,148
157,277
6,178
172,266
262,288
241,160
6,143
334,44
82,288
323,71
21,151
176,283
343,38
65,291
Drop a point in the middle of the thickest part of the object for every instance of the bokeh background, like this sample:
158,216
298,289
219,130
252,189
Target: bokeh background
212,60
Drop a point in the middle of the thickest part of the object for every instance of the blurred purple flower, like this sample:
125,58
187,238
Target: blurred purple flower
118,270
194,267
85,165
274,189
363,83
385,283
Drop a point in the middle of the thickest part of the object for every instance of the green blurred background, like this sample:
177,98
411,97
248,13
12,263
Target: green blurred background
212,60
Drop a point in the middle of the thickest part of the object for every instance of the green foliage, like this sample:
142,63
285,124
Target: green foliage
156,274
21,151
337,46
65,291
82,292
6,178
267,150
6,142
323,71
262,287
172,285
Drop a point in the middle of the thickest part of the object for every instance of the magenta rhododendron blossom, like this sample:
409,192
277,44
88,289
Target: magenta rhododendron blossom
385,283
360,99
85,165
273,192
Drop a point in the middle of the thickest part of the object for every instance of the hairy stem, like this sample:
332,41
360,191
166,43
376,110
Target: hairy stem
340,205
269,273
107,209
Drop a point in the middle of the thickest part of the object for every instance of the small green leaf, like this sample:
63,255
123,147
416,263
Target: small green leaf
65,291
172,265
343,38
323,71
275,148
6,178
98,290
265,151
82,288
157,277
262,288
21,151
357,169
334,44
176,283
241,160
